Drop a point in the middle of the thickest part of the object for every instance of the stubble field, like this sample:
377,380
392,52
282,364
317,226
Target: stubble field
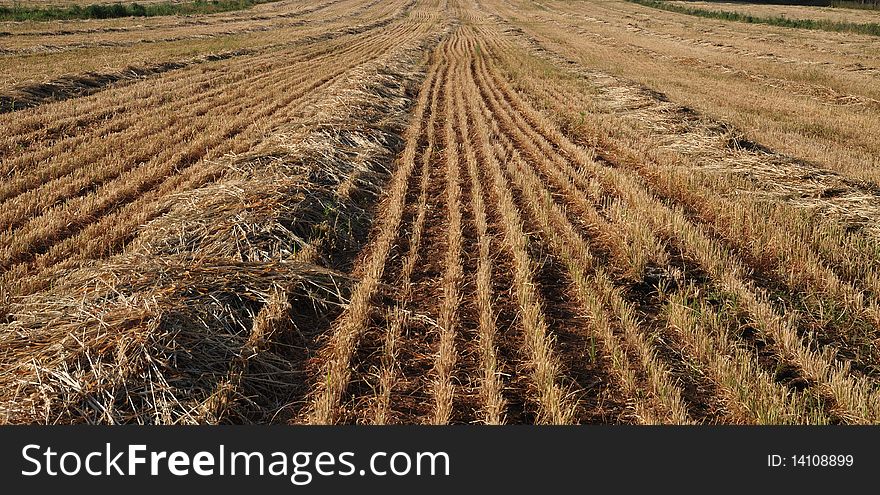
416,211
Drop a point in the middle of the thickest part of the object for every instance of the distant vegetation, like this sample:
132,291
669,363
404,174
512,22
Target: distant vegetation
849,4
821,24
856,4
108,11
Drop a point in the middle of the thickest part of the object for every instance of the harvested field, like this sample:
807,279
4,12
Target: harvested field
441,212
836,14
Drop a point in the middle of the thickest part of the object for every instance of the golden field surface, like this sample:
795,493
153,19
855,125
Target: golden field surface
438,211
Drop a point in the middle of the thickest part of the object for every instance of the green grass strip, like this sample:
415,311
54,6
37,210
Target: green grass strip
109,11
820,24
